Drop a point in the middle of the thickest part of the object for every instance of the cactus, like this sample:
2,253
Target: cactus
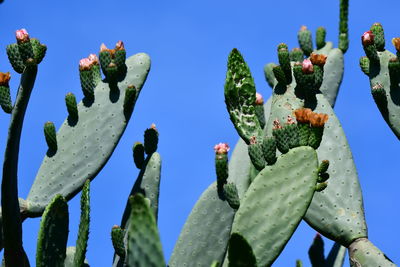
292,163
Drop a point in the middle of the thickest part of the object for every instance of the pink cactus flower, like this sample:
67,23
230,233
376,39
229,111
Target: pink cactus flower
221,148
290,120
259,99
93,58
307,67
367,38
276,124
119,45
85,64
103,47
22,36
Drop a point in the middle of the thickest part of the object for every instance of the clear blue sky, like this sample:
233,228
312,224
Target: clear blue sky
189,42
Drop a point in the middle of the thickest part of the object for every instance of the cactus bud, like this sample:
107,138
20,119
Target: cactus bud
150,139
221,165
5,97
138,154
22,36
305,40
302,115
396,43
296,55
379,36
256,154
307,67
282,45
320,37
221,148
323,167
103,48
50,135
269,149
321,186
4,78
130,97
259,109
70,102
259,99
364,65
317,121
280,134
117,238
119,45
318,59
231,195
367,38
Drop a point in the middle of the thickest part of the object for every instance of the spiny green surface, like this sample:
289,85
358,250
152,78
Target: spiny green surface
148,183
240,97
84,147
53,234
144,246
205,235
239,164
117,238
380,75
275,203
337,212
83,232
5,99
333,73
364,253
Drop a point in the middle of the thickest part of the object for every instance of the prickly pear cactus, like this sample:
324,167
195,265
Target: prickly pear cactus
85,143
383,70
275,203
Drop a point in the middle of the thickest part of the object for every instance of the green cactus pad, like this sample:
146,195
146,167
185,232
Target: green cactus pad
275,203
147,183
83,232
205,235
240,253
117,238
239,163
85,147
333,73
320,37
379,75
144,246
240,98
269,74
53,234
337,212
70,102
364,253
